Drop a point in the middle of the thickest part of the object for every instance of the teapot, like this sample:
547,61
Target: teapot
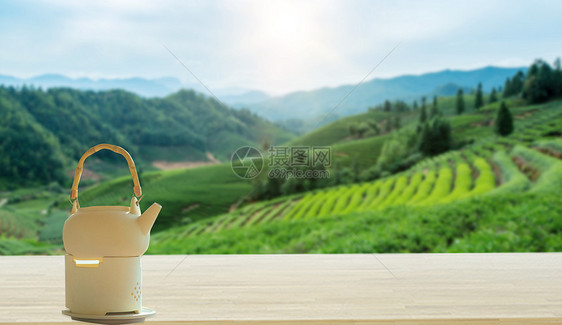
104,245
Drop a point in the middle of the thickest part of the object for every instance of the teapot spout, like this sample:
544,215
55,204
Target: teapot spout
146,220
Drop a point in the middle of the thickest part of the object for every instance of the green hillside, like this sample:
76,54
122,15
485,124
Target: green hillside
44,133
483,179
492,181
456,200
31,220
338,130
197,201
365,151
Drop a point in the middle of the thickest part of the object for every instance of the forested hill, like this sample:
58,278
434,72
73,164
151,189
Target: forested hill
44,132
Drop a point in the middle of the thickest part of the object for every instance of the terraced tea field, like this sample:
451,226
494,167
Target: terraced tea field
547,123
457,201
19,218
483,169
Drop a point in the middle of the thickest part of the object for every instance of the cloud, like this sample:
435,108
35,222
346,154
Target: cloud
277,46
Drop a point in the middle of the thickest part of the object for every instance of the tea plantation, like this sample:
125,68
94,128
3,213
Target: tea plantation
462,201
498,194
495,194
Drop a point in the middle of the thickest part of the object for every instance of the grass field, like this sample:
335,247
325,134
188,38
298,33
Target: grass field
338,130
444,217
364,151
471,199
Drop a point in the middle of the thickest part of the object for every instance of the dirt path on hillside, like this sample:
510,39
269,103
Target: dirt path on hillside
86,174
168,165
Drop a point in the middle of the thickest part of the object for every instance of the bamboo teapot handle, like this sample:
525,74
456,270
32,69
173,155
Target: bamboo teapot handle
78,173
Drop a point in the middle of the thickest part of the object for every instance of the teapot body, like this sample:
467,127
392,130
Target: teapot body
103,231
103,265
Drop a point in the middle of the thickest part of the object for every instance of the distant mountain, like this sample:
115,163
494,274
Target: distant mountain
307,105
449,89
144,87
159,87
245,98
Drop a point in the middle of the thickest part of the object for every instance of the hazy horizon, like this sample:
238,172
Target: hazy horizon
272,46
243,90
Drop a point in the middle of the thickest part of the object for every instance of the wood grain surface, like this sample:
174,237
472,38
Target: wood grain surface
473,289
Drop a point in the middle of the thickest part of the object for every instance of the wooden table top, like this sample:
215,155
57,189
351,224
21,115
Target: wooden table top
474,289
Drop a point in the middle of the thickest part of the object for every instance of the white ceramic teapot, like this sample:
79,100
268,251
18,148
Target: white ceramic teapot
104,245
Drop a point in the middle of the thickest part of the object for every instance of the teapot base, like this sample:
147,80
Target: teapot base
109,285
112,318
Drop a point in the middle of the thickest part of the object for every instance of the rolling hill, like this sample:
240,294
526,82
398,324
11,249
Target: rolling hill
59,124
202,198
476,199
486,193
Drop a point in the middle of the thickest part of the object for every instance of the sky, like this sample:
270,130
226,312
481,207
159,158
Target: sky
272,46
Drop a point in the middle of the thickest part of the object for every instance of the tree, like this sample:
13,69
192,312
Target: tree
434,109
539,84
504,121
415,105
375,127
401,106
517,82
423,114
436,137
361,129
423,102
506,88
514,85
493,96
479,100
30,155
273,187
352,130
442,128
392,153
387,106
425,140
460,102
358,130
